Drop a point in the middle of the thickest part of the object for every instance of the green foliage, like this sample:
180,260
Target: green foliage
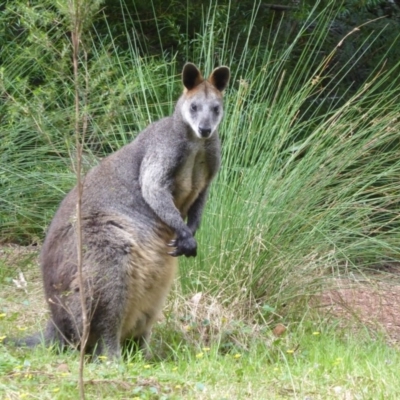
37,126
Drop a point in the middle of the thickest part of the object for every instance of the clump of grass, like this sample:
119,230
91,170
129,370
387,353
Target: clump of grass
307,188
124,94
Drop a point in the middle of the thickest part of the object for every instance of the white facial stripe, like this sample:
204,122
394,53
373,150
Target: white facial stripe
202,112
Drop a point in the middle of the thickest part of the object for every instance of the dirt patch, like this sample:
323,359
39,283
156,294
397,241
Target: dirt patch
373,300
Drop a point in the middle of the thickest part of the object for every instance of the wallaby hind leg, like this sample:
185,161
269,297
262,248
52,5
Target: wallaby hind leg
105,322
142,342
103,314
108,345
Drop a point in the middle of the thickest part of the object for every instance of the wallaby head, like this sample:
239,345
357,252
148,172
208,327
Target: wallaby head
201,102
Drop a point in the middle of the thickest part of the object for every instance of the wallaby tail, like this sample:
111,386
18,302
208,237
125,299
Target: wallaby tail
47,338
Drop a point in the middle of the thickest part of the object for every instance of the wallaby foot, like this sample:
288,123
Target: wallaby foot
107,347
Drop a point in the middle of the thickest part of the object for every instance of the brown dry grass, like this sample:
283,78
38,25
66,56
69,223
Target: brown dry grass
26,304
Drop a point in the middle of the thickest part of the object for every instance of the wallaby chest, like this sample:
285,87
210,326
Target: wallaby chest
192,177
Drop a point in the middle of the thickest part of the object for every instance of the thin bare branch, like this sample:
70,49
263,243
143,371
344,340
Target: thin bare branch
76,32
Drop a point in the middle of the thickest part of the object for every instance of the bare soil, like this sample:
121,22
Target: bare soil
372,300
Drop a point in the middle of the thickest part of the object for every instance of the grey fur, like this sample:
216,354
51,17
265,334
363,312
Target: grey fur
134,207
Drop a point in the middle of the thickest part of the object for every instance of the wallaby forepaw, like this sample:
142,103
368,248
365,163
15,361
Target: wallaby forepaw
185,246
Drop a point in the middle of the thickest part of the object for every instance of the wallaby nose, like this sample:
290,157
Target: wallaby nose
205,132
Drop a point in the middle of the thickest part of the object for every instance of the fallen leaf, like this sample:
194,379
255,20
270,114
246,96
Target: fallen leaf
279,330
195,300
194,303
63,368
21,283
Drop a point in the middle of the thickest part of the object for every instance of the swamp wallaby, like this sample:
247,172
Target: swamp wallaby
134,207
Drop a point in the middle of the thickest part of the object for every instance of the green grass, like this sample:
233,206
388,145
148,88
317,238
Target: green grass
300,364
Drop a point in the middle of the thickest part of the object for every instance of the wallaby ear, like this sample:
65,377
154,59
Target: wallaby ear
220,78
191,76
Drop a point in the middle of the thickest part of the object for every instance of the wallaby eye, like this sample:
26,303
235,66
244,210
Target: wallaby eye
216,109
193,107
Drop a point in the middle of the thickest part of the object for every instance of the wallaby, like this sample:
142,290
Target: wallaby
134,207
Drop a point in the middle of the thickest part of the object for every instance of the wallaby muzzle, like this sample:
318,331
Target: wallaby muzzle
205,132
